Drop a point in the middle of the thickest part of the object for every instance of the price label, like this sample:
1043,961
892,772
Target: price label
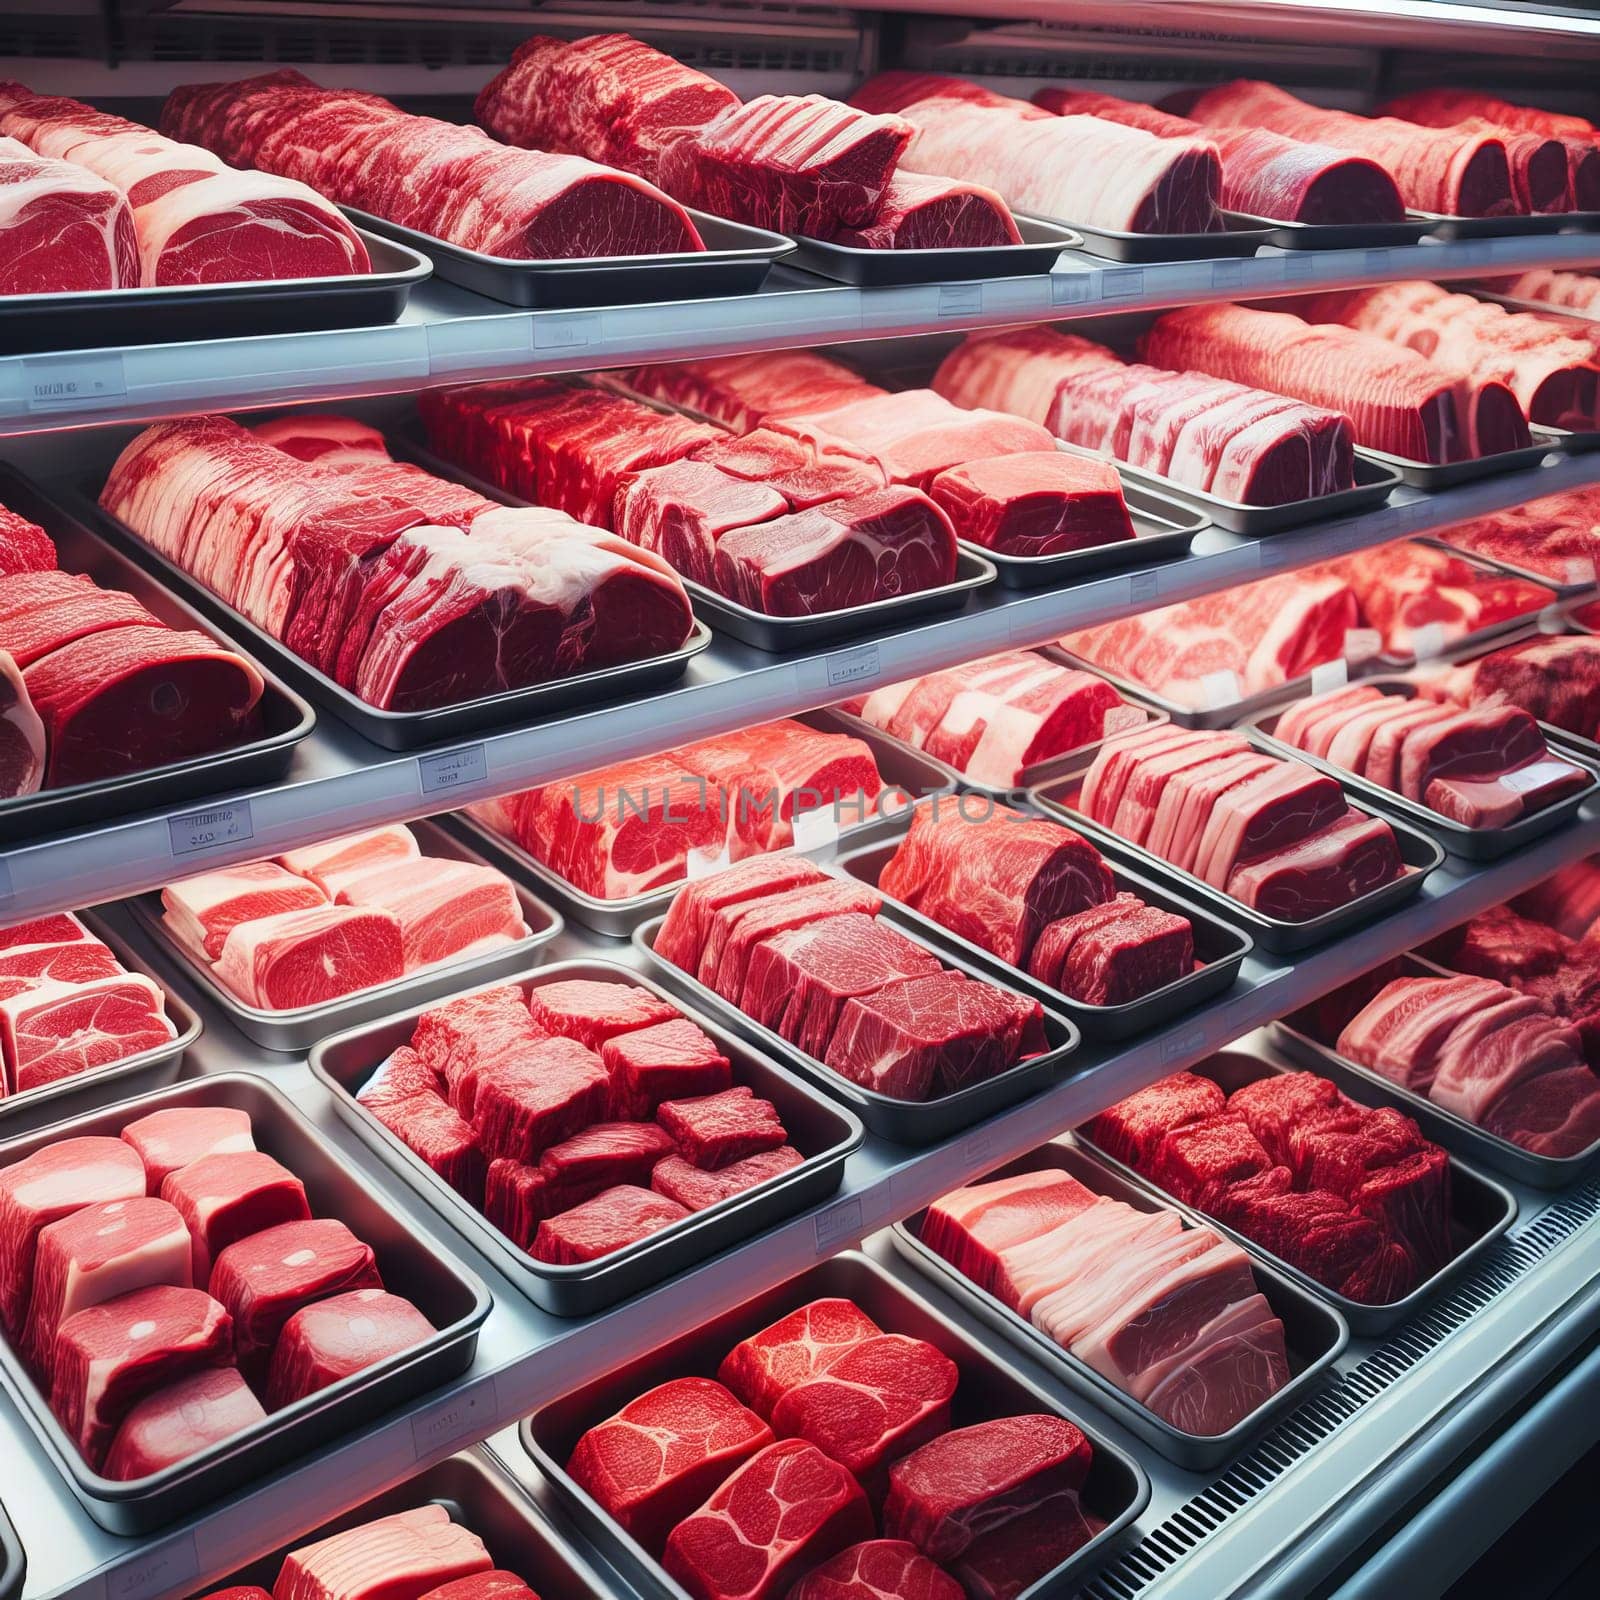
1580,572
1143,587
63,383
1329,675
1220,689
838,1225
1429,640
565,333
1526,779
170,1566
1186,1045
453,769
860,665
465,1420
960,299
817,828
1122,283
198,831
1227,274
1069,288
702,863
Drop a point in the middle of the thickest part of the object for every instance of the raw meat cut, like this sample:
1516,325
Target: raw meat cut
492,1585
523,1104
694,1189
471,1029
971,1480
687,924
593,1010
619,1217
1131,1131
22,734
786,1509
66,230
1034,503
878,1569
438,177
604,1154
1554,677
446,909
42,611
715,1130
109,1357
661,1456
334,862
24,545
1113,954
683,509
1568,291
1003,1563
224,1198
1080,169
1454,171
737,929
330,1339
1396,400
435,1131
795,1349
1354,857
399,1557
302,958
79,961
971,1227
203,911
669,1061
1553,536
923,213
1263,174
180,1420
743,392
50,1029
172,1138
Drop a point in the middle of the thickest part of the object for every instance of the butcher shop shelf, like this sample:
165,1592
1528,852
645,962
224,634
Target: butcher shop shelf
1529,1304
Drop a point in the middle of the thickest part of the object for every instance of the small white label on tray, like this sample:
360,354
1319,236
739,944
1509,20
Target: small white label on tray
702,863
159,1571
1069,288
960,299
816,828
1534,776
1121,283
1220,689
1227,274
1142,587
1580,570
1361,644
453,769
1430,640
564,332
465,1420
860,665
838,1225
1328,675
1190,1043
211,829
62,383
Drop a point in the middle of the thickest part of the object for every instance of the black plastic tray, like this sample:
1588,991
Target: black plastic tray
13,1560
1443,226
451,1298
1418,852
1218,946
1139,249
1336,235
824,1135
1471,844
285,718
1314,1333
1483,1209
908,1122
1447,474
1117,1489
89,318
408,730
1042,243
736,260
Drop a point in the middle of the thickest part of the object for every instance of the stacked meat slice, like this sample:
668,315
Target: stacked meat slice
1396,400
1234,441
1275,835
1169,1314
194,219
1355,1198
1554,677
1554,535
1041,898
437,177
805,955
63,228
1483,768
93,686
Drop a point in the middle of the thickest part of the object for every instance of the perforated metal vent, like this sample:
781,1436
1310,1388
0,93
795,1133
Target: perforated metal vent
1320,1417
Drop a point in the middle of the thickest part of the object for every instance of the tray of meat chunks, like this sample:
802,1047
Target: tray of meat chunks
585,1130
983,1485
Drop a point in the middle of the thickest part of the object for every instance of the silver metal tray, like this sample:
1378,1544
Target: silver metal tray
1117,1489
1419,853
1243,238
117,317
20,1113
479,1494
407,730
974,570
1567,588
900,766
1288,235
302,1027
908,1122
1444,1127
1483,1209
736,260
13,1560
1472,844
285,718
1314,1333
451,1298
1447,474
823,1133
867,268
1220,949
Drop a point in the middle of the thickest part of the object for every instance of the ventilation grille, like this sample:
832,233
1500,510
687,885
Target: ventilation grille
1320,1417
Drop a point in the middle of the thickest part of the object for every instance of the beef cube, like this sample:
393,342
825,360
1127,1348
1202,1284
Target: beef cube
451,1036
809,1505
1006,1560
593,1011
264,1279
225,1198
668,1061
1279,1102
934,1035
516,1199
660,1457
1131,1131
600,1157
686,1183
111,1356
716,1130
683,934
439,1135
331,1339
611,1221
1140,951
1198,1162
554,1090
1410,1200
399,1557
1321,1236
1340,1158
172,1138
762,1368
180,1420
398,1077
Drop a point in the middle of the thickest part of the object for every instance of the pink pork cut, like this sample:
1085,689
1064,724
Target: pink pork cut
51,1030
180,1420
923,213
399,1557
684,931
1034,503
330,1339
203,911
171,1138
302,958
65,228
613,1220
786,1509
333,862
77,961
971,1480
877,546
971,1227
22,735
445,909
695,1189
878,1569
224,1198
267,1277
715,1130
109,1357
593,1010
661,1456
669,1061
523,1105
795,1349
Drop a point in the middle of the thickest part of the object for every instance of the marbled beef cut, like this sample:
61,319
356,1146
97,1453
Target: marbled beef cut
178,1420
